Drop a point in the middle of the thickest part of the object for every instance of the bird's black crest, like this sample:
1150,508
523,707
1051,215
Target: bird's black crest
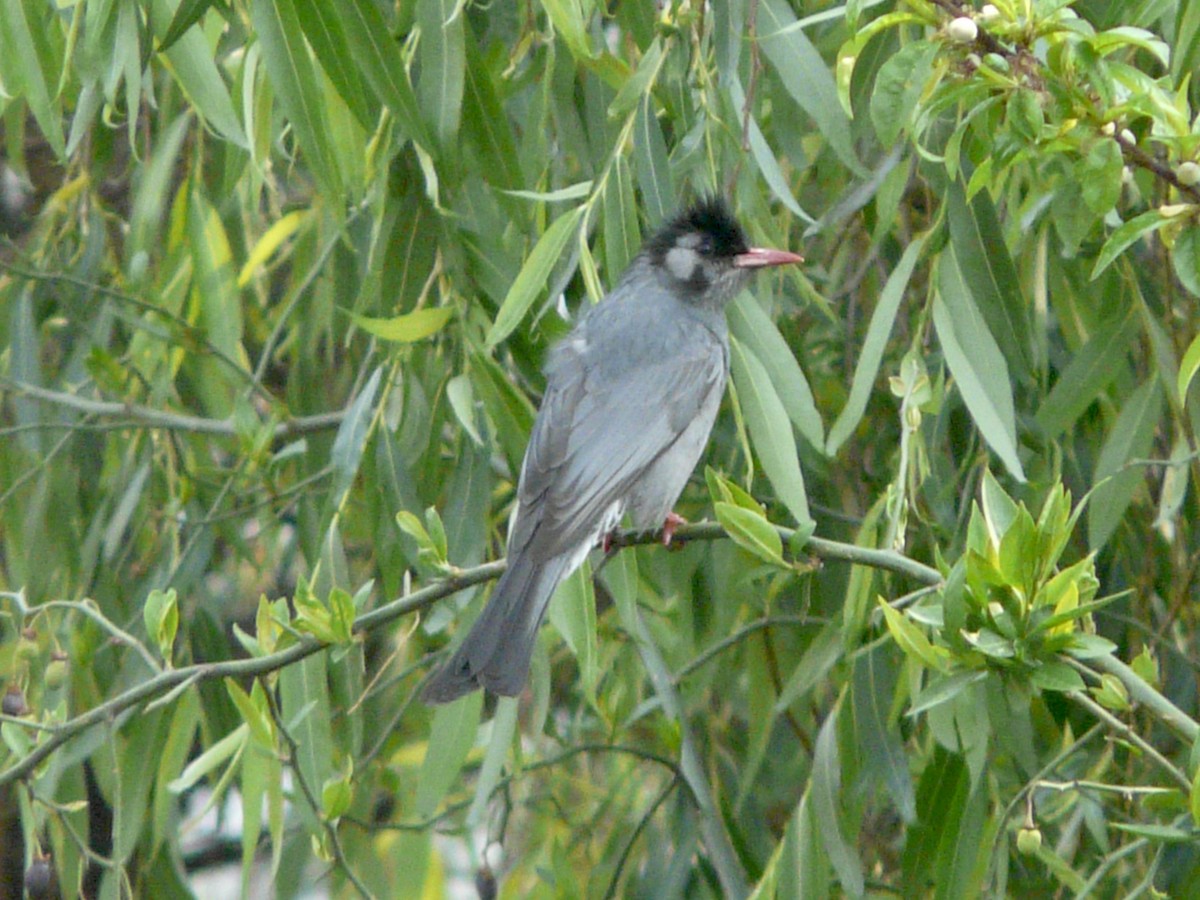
709,216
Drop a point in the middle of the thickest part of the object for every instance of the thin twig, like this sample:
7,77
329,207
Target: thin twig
146,416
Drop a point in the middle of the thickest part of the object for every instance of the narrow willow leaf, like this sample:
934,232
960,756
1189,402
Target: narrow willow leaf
751,531
826,786
571,192
806,77
989,274
1125,235
754,328
187,14
407,328
271,241
323,28
531,280
485,121
443,65
1132,436
653,168
944,688
818,660
304,690
352,433
450,740
1094,367
21,71
767,422
573,614
898,86
195,70
382,64
980,372
504,726
1185,258
211,759
875,680
866,370
764,157
638,85
297,88
1188,368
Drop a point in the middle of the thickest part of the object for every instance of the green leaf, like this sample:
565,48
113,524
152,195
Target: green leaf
534,275
1056,676
806,78
304,691
1091,370
1188,368
826,786
407,328
442,55
573,614
815,665
194,66
161,615
866,370
323,28
898,86
652,165
980,372
297,88
187,14
751,531
1185,258
450,740
22,74
1099,175
211,759
875,676
990,276
382,64
945,687
912,640
352,433
639,83
755,330
1124,236
767,422
1132,436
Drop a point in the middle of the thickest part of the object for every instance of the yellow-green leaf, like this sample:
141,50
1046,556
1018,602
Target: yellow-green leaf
408,328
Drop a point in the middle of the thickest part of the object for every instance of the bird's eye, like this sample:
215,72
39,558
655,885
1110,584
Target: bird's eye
705,245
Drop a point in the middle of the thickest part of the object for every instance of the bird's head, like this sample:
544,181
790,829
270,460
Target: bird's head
704,255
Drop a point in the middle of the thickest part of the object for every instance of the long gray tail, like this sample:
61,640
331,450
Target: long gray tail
497,652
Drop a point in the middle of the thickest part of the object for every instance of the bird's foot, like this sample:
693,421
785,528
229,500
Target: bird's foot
673,521
606,543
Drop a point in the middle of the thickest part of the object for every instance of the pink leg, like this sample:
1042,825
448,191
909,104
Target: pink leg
672,522
606,543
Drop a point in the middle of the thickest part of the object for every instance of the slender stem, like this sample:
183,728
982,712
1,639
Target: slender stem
146,416
1116,725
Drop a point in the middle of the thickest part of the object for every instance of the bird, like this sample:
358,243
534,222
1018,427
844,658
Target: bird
631,396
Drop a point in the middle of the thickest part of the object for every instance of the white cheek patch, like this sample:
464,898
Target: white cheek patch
681,263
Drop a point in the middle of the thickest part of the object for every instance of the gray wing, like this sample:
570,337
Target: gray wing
599,429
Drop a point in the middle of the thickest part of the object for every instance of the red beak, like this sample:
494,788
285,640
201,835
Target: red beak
761,257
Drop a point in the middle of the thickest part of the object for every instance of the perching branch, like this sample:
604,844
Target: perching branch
146,416
172,679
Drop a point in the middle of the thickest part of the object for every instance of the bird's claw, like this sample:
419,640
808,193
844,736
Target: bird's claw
673,521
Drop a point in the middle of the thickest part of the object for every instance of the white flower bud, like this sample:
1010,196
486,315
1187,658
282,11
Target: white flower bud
988,13
1188,173
1127,136
1108,128
962,30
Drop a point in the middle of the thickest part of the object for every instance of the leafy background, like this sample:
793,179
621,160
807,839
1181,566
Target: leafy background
277,284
